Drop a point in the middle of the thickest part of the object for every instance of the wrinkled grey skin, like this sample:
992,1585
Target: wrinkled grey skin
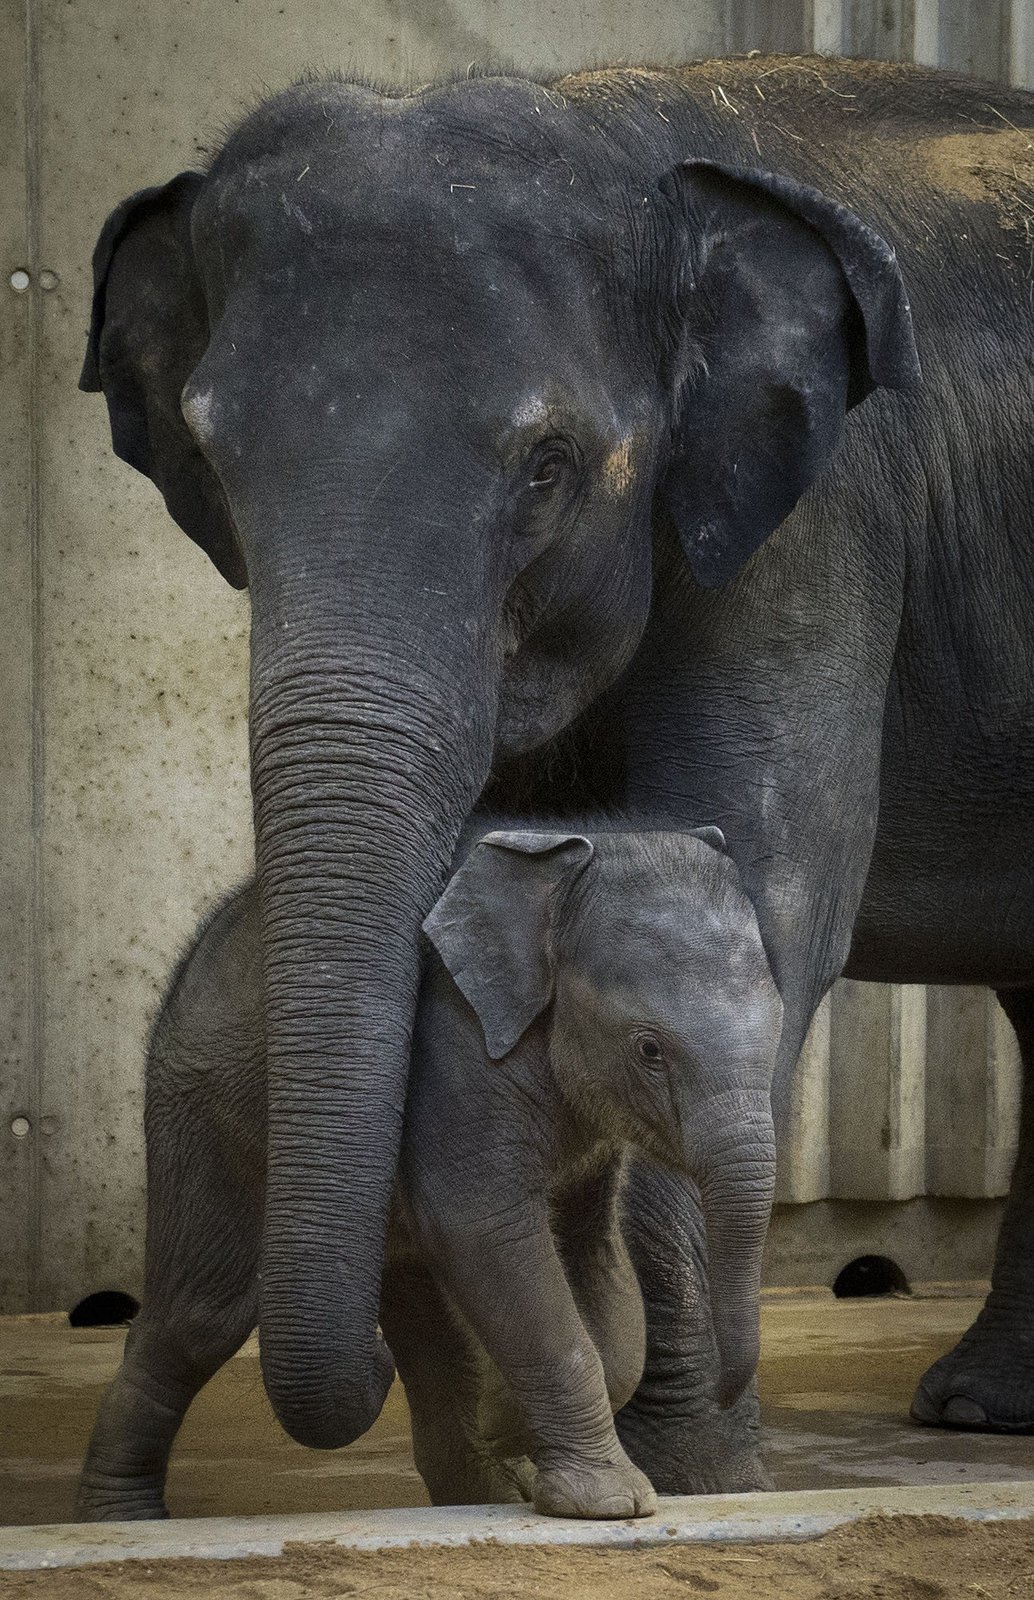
527,408
468,386
573,1013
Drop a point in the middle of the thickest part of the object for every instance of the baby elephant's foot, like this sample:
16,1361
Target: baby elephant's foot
519,1472
985,1384
595,1489
98,1503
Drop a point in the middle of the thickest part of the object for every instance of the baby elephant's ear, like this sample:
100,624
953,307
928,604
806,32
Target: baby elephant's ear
492,926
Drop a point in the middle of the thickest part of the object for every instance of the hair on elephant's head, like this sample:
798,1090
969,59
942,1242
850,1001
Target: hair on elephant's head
416,370
663,1016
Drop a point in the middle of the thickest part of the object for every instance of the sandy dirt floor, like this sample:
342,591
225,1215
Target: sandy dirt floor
836,1379
907,1558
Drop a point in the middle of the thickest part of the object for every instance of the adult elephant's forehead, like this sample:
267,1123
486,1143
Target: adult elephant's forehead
492,150
440,228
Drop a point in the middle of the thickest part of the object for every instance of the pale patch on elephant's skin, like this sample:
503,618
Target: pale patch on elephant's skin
531,411
618,468
197,407
997,167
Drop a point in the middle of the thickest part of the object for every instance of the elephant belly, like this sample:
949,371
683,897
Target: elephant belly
949,896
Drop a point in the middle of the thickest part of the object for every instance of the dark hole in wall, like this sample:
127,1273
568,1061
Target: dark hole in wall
108,1308
870,1275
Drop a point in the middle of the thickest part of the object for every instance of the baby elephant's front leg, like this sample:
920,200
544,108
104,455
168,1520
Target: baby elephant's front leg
510,1285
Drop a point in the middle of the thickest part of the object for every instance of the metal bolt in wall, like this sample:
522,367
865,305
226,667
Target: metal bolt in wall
20,1127
20,280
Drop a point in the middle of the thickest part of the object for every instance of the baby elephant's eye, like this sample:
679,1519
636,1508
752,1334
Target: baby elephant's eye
648,1048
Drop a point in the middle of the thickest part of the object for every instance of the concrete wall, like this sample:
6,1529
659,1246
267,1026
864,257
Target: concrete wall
123,656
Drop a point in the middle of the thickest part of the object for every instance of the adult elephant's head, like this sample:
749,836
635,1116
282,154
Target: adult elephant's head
413,370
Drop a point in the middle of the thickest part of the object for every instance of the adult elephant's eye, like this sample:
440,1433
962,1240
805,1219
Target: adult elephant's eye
546,473
548,468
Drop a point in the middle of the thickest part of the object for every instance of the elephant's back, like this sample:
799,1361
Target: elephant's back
924,156
763,106
209,1037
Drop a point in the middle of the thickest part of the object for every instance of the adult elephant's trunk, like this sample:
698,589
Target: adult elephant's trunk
737,1183
367,752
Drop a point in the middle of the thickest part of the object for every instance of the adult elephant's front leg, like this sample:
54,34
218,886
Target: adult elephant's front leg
673,1428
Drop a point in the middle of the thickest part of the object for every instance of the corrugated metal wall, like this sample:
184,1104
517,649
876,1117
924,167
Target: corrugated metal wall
903,1091
123,657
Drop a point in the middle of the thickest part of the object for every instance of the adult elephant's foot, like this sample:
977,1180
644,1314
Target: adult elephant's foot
579,1489
717,1452
987,1382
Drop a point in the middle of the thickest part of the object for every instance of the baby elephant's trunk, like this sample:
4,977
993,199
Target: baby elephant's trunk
737,1180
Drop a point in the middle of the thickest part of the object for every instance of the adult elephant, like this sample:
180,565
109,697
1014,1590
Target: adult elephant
485,391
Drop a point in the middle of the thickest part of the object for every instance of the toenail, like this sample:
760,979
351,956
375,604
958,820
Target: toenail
959,1408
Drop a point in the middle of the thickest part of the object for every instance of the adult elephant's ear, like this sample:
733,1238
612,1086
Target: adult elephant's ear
148,331
791,311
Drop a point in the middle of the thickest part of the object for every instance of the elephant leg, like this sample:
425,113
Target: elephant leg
444,1374
673,1427
599,1269
199,1305
509,1283
987,1381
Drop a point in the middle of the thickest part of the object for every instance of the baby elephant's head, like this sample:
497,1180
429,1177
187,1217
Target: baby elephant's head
665,1017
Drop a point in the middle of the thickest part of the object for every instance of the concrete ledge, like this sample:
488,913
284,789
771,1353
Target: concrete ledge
680,1520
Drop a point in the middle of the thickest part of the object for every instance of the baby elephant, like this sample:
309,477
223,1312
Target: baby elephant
588,995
